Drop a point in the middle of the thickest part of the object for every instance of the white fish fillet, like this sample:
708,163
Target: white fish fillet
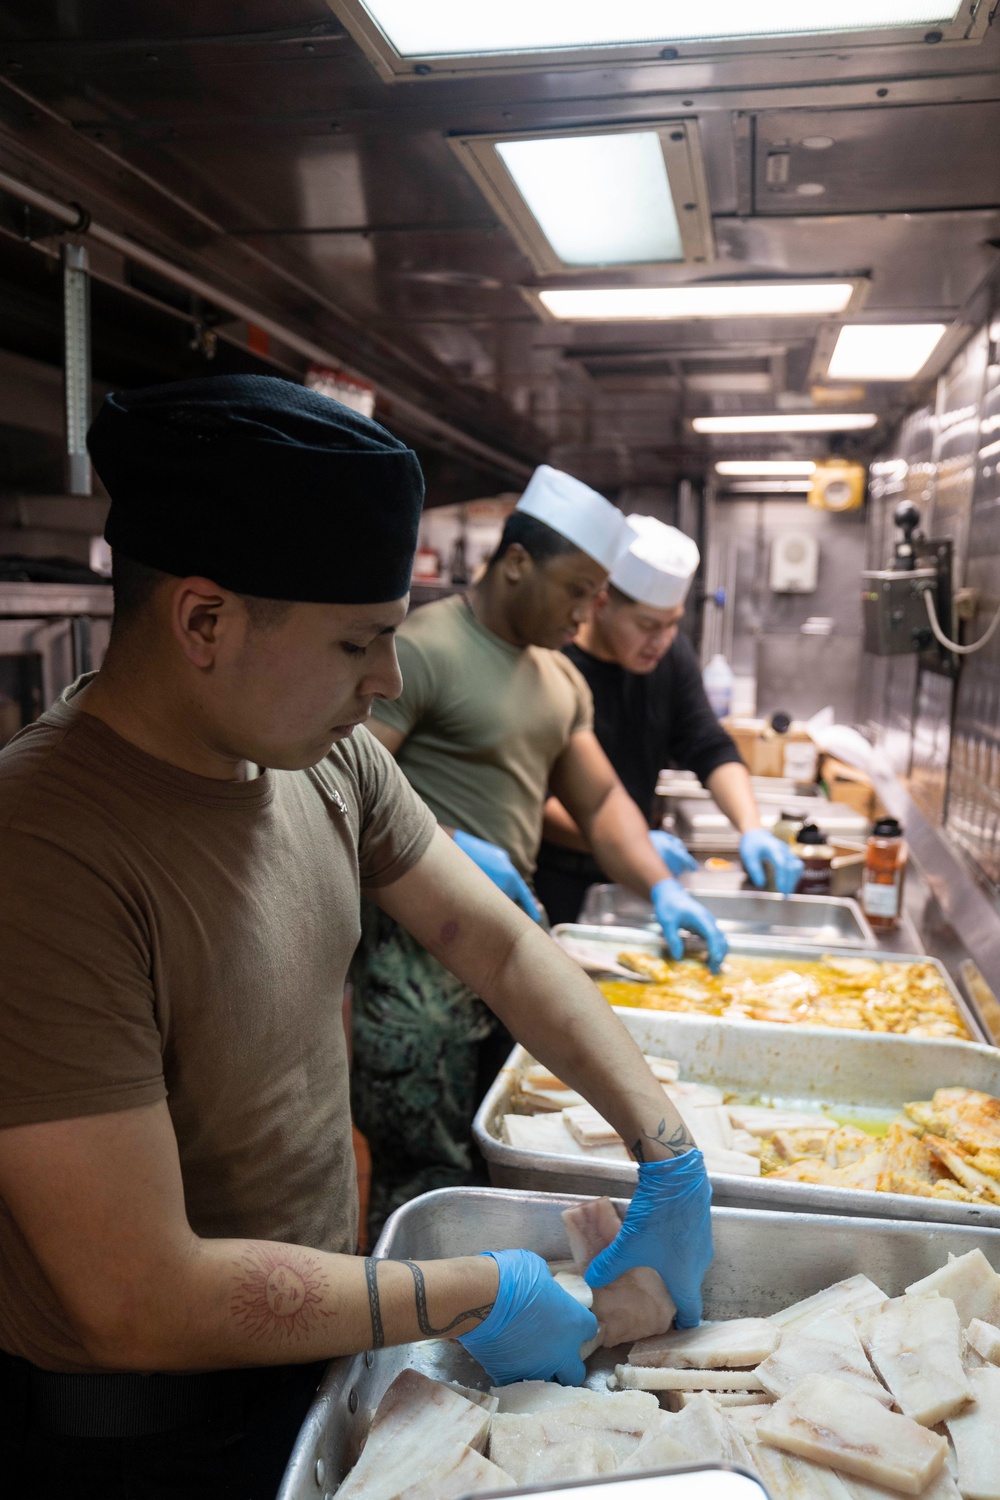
787,1477
618,1422
416,1416
976,1435
478,1398
731,1163
589,1128
464,1472
843,1297
915,1345
635,1306
663,1069
827,1346
643,1378
658,1450
741,1343
744,1419
548,1133
971,1283
941,1487
573,1282
695,1095
753,1145
759,1120
832,1423
985,1339
709,1125
527,1397
551,1099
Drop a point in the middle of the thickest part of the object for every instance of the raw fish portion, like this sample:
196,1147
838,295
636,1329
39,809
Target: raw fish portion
744,1419
478,1398
579,1458
464,1472
832,1423
827,1346
663,1069
915,1345
971,1283
635,1306
550,1099
573,1282
658,1450
730,1163
589,1128
708,1123
644,1378
548,1133
789,1478
744,1141
976,1435
759,1120
704,1430
526,1397
985,1339
941,1487
734,1345
416,1416
618,1422
843,1297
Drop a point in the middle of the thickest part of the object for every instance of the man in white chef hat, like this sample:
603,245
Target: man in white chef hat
651,711
492,716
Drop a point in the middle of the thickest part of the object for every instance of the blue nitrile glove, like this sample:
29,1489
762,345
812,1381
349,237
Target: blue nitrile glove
669,1227
497,864
673,853
535,1330
675,909
759,848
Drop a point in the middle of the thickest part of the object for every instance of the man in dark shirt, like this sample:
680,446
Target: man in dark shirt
651,711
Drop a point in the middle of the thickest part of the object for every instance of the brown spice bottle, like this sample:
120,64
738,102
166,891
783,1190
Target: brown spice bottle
883,876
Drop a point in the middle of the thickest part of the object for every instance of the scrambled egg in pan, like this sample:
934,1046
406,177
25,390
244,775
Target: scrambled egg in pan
853,994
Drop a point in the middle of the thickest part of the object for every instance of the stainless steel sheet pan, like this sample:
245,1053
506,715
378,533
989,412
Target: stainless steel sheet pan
763,1262
858,1075
703,827
751,916
649,941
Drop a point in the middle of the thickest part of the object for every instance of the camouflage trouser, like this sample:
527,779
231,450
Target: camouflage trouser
425,1051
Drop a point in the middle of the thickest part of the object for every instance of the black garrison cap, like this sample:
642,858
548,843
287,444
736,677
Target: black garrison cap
261,485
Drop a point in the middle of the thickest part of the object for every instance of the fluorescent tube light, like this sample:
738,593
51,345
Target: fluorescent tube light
450,28
768,487
598,199
801,421
743,300
754,468
883,351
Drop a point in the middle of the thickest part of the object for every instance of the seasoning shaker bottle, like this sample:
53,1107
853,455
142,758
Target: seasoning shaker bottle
817,857
883,875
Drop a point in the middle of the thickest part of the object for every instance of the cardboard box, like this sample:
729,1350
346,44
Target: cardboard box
768,754
844,784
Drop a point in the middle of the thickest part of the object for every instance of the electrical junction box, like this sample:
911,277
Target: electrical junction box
895,615
838,486
794,563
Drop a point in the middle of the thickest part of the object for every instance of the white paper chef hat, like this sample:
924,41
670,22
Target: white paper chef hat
658,565
577,512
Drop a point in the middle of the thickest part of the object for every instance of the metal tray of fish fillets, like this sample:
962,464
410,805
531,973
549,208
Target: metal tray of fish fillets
646,940
751,916
859,1076
763,1262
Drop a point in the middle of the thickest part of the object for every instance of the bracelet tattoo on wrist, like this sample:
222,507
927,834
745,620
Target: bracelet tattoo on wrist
677,1143
374,1306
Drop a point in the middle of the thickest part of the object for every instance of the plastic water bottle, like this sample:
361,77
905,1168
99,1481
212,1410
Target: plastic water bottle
718,680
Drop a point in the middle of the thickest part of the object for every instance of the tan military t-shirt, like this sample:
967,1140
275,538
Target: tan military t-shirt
164,935
485,723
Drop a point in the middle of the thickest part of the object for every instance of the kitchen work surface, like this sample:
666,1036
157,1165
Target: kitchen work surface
840,1085
764,1263
751,916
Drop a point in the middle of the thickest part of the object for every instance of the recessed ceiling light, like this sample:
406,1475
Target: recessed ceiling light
764,467
527,32
768,487
740,300
805,421
883,351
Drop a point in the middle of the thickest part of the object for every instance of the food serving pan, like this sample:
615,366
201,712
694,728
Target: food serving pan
646,940
763,1262
862,1077
751,916
767,789
702,826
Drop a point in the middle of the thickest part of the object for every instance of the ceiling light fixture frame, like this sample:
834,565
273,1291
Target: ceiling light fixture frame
944,351
969,26
620,281
680,143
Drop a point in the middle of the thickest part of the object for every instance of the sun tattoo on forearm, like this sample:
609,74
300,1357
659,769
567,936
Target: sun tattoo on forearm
278,1294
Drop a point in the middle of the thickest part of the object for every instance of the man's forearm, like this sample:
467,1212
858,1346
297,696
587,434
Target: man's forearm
732,791
619,837
559,828
237,1303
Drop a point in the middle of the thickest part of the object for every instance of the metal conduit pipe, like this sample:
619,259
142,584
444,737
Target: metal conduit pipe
408,411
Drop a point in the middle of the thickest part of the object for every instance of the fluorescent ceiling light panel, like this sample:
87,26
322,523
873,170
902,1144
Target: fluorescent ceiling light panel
745,300
769,487
451,28
762,468
805,421
883,351
598,199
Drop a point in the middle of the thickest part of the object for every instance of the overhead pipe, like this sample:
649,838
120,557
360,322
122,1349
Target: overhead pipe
409,412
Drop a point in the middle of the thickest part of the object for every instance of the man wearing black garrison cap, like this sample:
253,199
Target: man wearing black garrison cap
184,839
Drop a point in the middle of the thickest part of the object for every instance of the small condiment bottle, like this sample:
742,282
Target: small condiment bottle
787,827
817,856
883,875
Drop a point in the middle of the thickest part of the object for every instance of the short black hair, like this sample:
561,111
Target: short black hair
539,541
133,585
